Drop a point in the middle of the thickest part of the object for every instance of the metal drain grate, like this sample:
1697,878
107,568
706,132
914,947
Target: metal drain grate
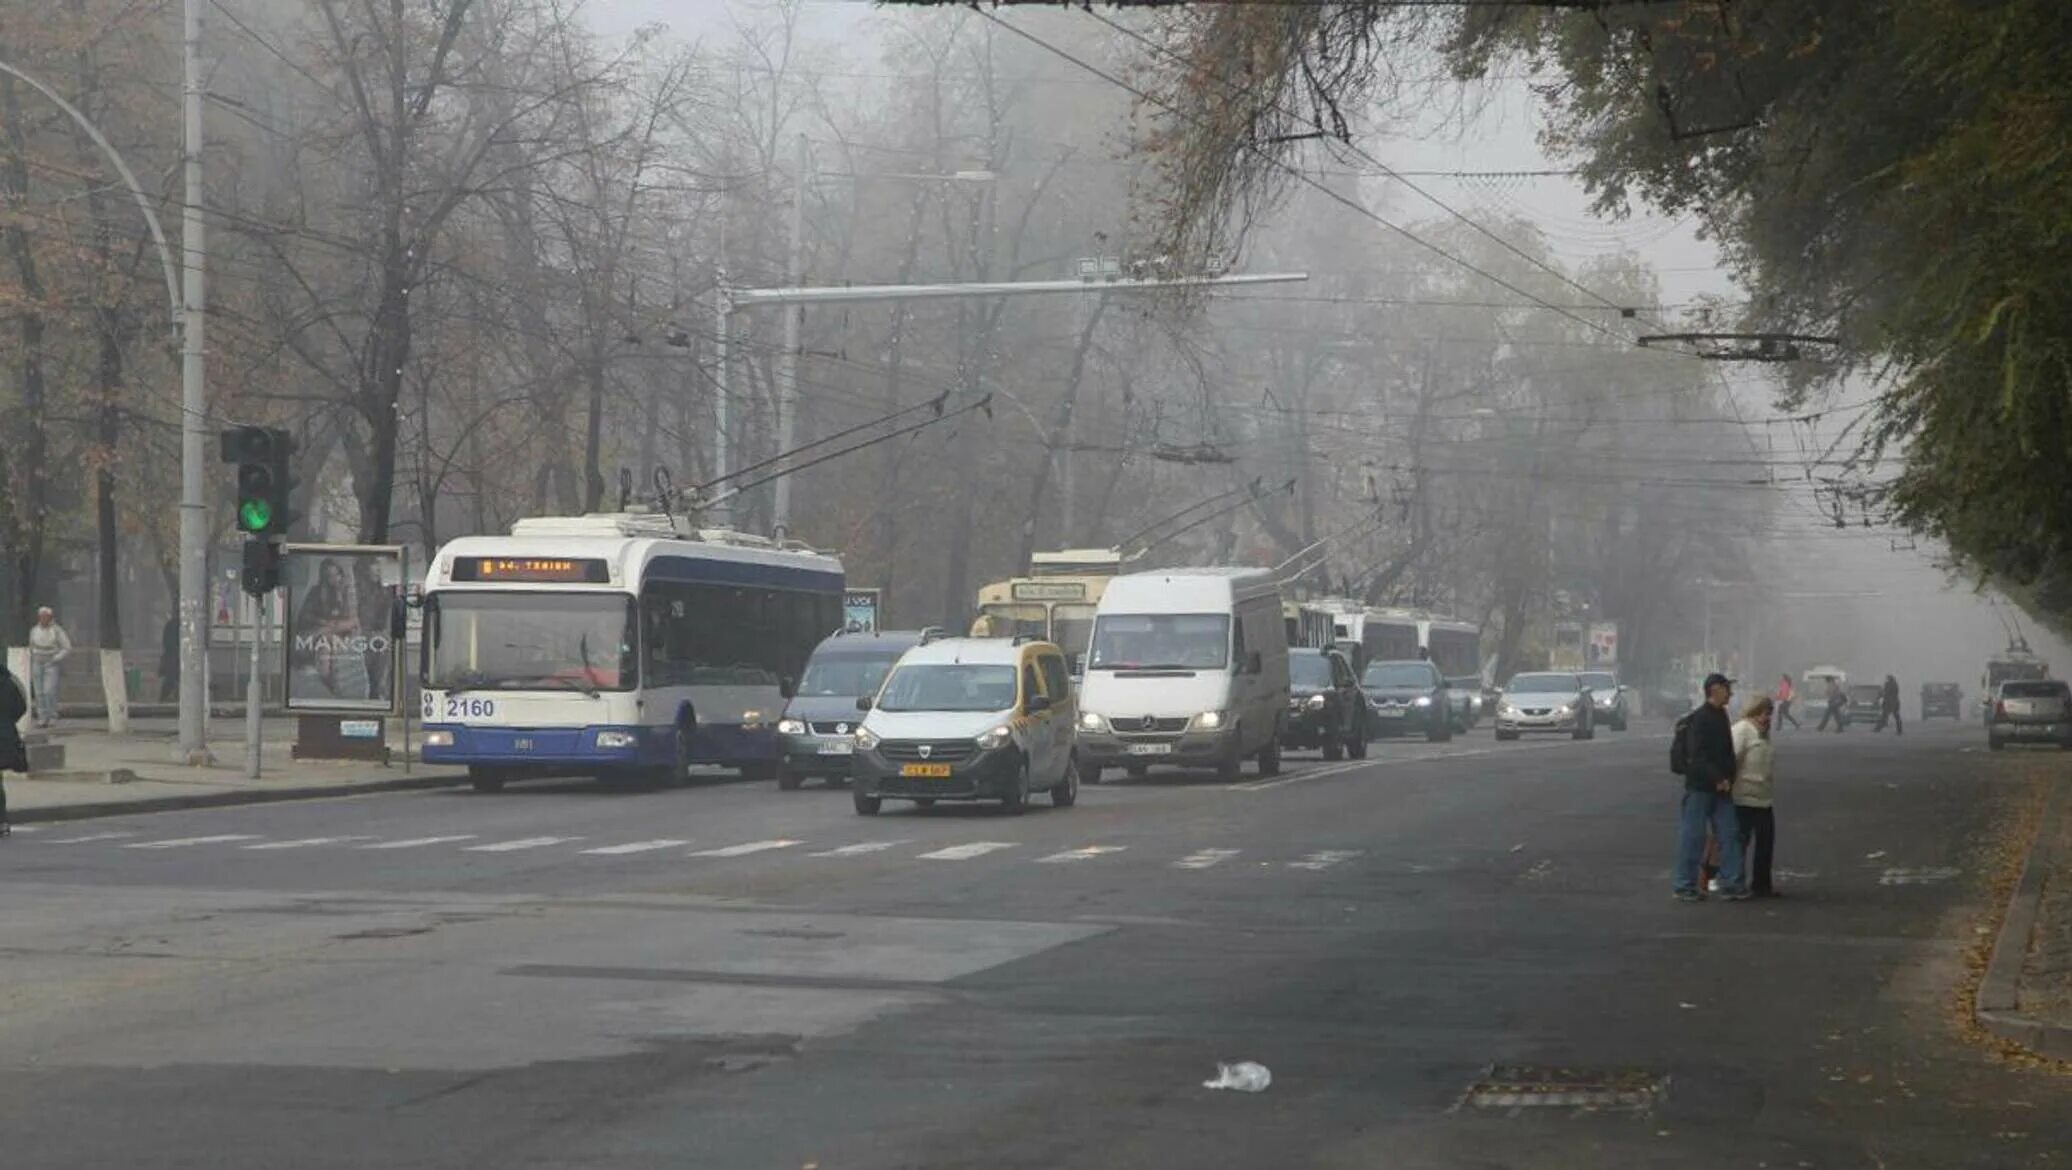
1513,1086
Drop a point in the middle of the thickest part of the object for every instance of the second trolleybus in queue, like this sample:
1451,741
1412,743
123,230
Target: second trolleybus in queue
1055,602
616,645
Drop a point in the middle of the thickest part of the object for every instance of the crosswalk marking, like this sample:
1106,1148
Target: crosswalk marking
88,837
1205,858
1324,859
858,849
746,848
967,851
419,842
304,843
520,843
635,847
183,842
1080,854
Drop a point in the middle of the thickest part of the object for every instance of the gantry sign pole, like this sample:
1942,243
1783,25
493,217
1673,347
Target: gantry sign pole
731,300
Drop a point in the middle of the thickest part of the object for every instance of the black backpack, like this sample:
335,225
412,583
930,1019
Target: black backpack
1680,746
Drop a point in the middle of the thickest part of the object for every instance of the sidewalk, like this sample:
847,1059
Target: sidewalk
107,774
2026,995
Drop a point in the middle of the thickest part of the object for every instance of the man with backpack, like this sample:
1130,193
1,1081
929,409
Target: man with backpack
1702,752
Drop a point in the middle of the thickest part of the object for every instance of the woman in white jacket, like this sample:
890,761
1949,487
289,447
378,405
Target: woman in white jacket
1754,783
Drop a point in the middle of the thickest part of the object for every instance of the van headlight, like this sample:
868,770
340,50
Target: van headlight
438,739
866,739
998,737
1421,701
1316,702
790,727
1092,721
616,739
1208,721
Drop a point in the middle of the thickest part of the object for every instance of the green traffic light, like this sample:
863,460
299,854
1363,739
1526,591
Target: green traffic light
254,515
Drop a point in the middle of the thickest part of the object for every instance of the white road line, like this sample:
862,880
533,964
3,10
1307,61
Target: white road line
860,848
86,838
183,842
304,843
26,829
1299,777
1082,853
1917,877
746,848
1205,858
966,851
420,842
520,843
1324,859
1372,761
635,847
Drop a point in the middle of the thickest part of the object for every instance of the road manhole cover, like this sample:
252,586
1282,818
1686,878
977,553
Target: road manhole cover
1515,1086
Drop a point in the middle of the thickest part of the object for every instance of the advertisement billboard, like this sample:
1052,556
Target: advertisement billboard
860,611
341,601
1604,645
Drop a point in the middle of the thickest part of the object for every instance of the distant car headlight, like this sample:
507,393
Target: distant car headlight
1506,708
998,737
1316,702
617,739
1421,701
790,727
1208,721
866,739
1092,721
438,739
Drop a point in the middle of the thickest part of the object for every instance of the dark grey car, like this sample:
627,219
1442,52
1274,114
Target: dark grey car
817,731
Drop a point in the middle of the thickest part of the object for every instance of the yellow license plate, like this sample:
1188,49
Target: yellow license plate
927,771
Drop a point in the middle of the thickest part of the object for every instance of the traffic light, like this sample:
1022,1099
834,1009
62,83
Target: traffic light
262,571
263,483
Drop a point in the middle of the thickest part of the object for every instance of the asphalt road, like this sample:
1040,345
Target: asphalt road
727,976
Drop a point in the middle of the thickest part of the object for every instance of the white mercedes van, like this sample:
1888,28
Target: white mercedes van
1186,667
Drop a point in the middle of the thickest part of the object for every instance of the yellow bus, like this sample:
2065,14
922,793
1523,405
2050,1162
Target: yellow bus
1054,602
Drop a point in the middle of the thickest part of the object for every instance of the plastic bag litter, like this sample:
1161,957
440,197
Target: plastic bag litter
1244,1076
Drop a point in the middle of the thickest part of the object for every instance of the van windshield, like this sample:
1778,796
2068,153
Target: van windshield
949,686
1161,641
845,676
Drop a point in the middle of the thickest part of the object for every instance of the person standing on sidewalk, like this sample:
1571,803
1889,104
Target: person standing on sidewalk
1834,707
1755,776
14,755
1784,694
169,658
1888,707
48,646
1708,801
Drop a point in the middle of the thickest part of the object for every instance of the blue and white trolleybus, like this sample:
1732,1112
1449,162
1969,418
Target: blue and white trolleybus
616,644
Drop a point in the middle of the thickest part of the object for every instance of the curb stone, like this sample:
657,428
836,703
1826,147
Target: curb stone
1997,991
192,800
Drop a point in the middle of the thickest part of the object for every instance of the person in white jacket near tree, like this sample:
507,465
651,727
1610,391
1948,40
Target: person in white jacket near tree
49,644
1754,784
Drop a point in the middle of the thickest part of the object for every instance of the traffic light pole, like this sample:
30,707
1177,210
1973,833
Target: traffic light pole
252,693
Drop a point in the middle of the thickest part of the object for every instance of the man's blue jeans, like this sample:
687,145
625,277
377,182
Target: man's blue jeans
1717,810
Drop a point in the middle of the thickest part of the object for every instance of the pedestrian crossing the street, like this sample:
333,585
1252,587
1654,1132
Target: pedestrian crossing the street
687,850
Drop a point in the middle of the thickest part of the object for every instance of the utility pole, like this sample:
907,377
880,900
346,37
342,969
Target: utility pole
722,320
194,537
788,361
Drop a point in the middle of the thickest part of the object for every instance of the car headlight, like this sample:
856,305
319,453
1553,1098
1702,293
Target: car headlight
996,738
1208,721
438,739
790,727
1507,709
1421,701
866,739
1092,721
616,739
1316,702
